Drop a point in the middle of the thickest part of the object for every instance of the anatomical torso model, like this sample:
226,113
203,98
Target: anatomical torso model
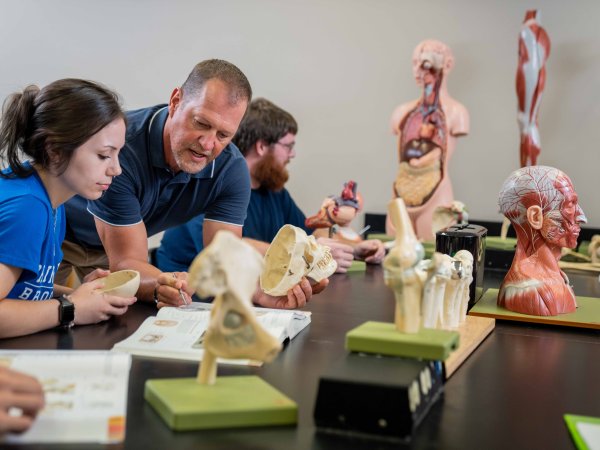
427,129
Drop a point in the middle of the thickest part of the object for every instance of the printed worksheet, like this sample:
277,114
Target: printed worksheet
86,395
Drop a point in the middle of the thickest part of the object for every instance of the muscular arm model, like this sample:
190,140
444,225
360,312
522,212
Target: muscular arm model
534,48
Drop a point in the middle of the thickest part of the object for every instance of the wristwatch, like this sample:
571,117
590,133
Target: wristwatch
66,312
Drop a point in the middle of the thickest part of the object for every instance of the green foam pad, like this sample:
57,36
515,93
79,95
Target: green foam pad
381,236
357,266
383,338
587,314
583,247
429,247
233,401
497,243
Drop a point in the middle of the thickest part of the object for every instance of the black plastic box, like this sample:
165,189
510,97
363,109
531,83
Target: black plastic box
381,397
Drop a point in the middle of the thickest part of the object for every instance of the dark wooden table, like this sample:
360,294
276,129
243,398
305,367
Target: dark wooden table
511,393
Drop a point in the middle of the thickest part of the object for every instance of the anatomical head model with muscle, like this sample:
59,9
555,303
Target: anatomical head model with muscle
542,206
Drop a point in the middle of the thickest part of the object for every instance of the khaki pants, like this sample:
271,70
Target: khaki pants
79,260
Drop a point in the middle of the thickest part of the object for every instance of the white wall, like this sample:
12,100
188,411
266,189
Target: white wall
340,66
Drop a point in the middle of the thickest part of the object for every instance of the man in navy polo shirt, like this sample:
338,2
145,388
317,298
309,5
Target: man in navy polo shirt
177,162
266,137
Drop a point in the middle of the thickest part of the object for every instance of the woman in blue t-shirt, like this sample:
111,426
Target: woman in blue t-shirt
72,131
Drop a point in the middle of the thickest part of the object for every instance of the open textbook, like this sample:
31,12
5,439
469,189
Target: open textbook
178,332
85,392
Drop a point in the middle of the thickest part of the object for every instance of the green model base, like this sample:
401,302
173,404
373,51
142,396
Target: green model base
582,251
429,247
583,247
383,339
233,401
381,236
357,266
587,314
497,243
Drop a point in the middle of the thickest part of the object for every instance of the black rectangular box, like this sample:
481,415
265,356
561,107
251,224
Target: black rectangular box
383,397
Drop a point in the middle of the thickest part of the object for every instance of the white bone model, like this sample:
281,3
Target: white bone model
429,293
228,269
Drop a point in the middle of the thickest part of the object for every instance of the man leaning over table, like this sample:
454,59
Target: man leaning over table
178,162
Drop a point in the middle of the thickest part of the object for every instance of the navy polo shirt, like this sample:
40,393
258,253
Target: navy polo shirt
147,191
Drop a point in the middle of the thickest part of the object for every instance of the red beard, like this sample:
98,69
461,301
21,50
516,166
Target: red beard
270,174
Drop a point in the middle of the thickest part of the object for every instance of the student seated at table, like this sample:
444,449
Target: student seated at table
18,390
266,137
72,131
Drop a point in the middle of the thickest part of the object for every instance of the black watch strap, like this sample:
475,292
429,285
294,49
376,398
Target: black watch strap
66,311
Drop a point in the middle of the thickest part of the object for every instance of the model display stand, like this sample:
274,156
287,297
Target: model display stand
452,350
382,338
587,314
472,333
233,401
499,243
383,237
227,269
384,397
428,246
357,267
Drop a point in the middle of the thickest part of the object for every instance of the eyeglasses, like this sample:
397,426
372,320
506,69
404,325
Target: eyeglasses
289,147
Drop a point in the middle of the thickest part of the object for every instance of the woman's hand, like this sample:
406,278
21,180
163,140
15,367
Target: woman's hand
93,306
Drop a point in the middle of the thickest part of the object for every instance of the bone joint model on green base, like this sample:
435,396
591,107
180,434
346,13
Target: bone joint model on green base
429,293
227,269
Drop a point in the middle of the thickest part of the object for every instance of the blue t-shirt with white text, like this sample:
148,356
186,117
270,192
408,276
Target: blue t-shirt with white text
31,233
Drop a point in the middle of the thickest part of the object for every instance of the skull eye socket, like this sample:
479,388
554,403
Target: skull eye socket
233,320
